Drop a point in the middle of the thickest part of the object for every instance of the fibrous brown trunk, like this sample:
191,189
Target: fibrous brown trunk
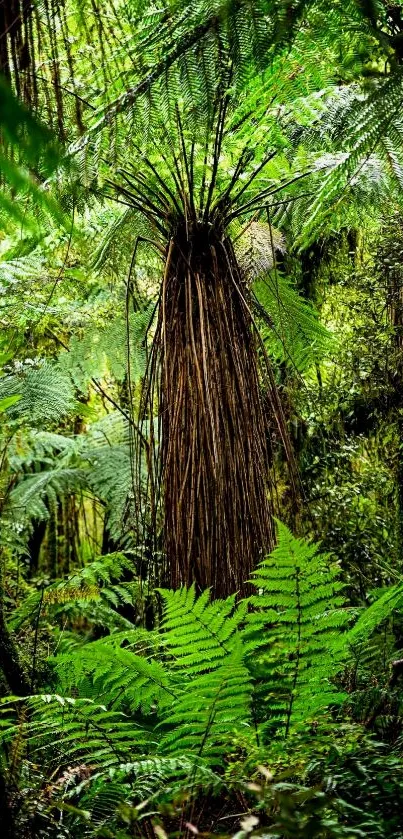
214,433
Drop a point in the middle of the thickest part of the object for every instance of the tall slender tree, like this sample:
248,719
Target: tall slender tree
208,371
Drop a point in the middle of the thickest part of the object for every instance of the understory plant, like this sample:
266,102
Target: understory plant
136,728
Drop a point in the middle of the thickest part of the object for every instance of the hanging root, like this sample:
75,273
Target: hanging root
213,433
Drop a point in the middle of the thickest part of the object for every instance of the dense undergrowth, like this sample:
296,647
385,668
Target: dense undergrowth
201,473
262,705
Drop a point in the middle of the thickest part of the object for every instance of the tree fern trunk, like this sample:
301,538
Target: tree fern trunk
213,429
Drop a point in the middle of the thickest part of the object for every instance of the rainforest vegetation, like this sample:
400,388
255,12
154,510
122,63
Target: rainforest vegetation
201,419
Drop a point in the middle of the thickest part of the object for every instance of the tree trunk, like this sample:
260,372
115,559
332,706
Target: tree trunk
10,663
213,429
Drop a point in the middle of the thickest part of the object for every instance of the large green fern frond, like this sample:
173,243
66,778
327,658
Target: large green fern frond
116,676
360,136
298,615
64,729
290,326
209,711
37,495
46,394
197,633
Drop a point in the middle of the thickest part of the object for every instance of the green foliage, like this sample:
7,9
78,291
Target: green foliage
366,780
156,712
200,634
210,711
45,394
76,729
300,612
26,145
375,614
292,331
107,348
162,713
93,593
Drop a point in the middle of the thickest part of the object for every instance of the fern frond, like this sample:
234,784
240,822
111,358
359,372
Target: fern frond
374,615
290,326
116,676
210,710
104,350
46,394
199,634
365,131
92,593
299,614
65,729
35,496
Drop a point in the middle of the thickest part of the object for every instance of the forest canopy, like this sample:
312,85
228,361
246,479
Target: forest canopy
201,419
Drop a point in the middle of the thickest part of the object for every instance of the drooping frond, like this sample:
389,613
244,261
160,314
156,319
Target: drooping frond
108,348
359,137
70,729
290,326
374,615
36,495
27,147
94,593
110,673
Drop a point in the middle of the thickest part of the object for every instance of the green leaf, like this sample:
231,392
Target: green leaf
8,401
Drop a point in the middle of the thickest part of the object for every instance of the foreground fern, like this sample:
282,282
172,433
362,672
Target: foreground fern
158,713
294,632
